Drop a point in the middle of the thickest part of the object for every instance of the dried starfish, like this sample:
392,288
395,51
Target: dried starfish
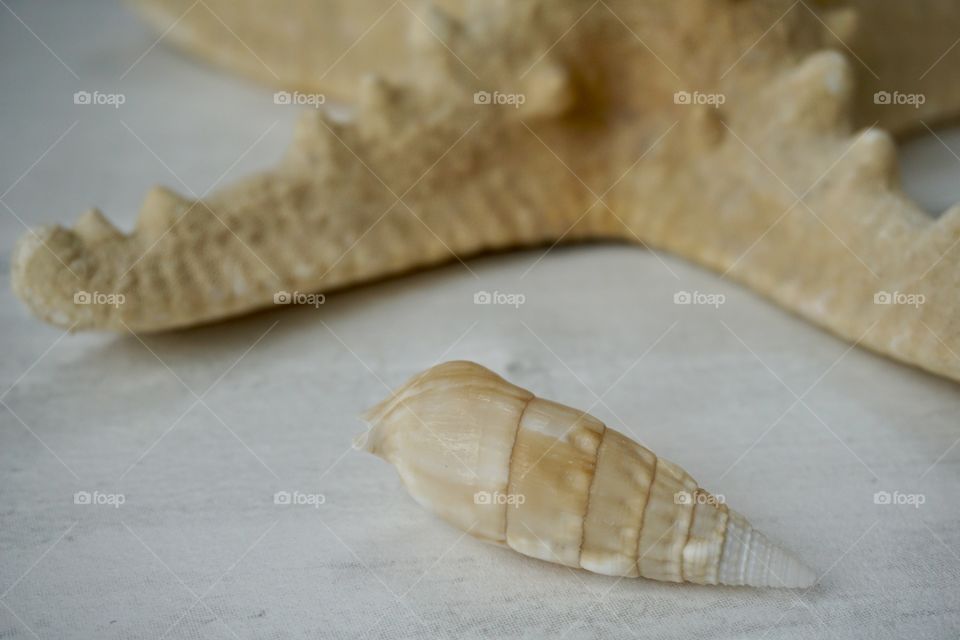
557,484
315,45
324,45
774,188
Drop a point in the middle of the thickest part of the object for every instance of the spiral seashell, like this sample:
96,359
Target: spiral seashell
554,483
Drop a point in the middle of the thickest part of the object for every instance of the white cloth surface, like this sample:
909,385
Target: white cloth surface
198,430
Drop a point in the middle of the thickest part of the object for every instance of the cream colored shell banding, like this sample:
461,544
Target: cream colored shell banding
554,483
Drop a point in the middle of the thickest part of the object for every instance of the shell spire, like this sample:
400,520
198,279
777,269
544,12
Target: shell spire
556,484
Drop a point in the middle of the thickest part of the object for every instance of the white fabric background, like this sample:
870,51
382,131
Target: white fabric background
199,550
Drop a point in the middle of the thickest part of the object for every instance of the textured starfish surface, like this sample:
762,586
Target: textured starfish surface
324,45
730,133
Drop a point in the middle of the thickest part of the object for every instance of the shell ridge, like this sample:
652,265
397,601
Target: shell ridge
723,540
693,516
741,574
646,505
513,447
586,507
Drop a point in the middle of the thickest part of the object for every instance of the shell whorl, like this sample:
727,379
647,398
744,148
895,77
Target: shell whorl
556,484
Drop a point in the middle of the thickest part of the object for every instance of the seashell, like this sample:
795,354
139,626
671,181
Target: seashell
556,484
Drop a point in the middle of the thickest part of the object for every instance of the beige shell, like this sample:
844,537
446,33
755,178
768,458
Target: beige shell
554,483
